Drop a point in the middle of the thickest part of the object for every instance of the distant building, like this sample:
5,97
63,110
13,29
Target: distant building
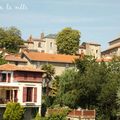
21,84
81,114
37,59
92,49
45,44
113,49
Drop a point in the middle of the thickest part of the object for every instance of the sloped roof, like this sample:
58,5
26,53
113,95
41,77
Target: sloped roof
111,48
38,56
91,43
14,58
12,67
105,59
116,39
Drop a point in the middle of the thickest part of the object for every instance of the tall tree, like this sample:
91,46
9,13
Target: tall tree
92,86
68,41
10,39
50,71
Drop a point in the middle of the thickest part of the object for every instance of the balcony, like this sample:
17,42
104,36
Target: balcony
8,94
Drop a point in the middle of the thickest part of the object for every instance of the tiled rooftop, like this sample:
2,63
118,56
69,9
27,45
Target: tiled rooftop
38,56
11,67
13,57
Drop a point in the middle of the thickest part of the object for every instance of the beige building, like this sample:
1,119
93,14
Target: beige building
37,59
92,49
46,44
113,49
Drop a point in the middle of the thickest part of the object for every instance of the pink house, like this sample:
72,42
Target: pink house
21,84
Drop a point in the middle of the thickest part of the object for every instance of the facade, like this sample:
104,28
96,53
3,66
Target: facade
81,114
113,49
20,84
37,59
45,44
92,49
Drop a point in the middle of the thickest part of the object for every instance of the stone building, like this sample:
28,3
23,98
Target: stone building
45,44
113,49
92,49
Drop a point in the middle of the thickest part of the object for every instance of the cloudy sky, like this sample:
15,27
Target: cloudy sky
97,20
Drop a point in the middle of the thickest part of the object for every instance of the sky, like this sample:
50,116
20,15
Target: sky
97,20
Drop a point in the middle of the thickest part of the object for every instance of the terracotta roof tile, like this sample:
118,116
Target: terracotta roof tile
82,113
11,67
104,59
37,56
14,58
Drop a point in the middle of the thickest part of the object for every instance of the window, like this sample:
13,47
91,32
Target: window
96,51
16,63
67,66
39,44
42,51
7,94
51,44
29,94
3,77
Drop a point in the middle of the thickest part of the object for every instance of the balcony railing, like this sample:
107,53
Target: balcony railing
5,101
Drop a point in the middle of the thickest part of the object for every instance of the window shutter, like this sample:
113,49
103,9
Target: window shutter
9,77
35,94
24,94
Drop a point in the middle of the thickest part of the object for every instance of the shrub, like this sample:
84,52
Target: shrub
14,111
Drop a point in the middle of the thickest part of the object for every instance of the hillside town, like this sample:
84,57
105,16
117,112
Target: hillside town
35,76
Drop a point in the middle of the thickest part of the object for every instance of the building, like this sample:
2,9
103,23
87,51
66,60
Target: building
113,49
21,84
37,59
92,49
81,114
16,59
45,44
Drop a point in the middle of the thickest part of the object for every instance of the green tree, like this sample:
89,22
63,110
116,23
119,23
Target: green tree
50,71
10,39
92,86
14,111
68,41
37,117
55,86
2,60
67,88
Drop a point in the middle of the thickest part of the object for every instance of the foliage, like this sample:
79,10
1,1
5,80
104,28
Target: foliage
43,109
10,39
56,117
67,41
50,71
58,113
37,117
92,86
55,114
14,111
55,86
67,94
2,60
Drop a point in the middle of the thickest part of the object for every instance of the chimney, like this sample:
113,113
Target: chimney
42,35
30,38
